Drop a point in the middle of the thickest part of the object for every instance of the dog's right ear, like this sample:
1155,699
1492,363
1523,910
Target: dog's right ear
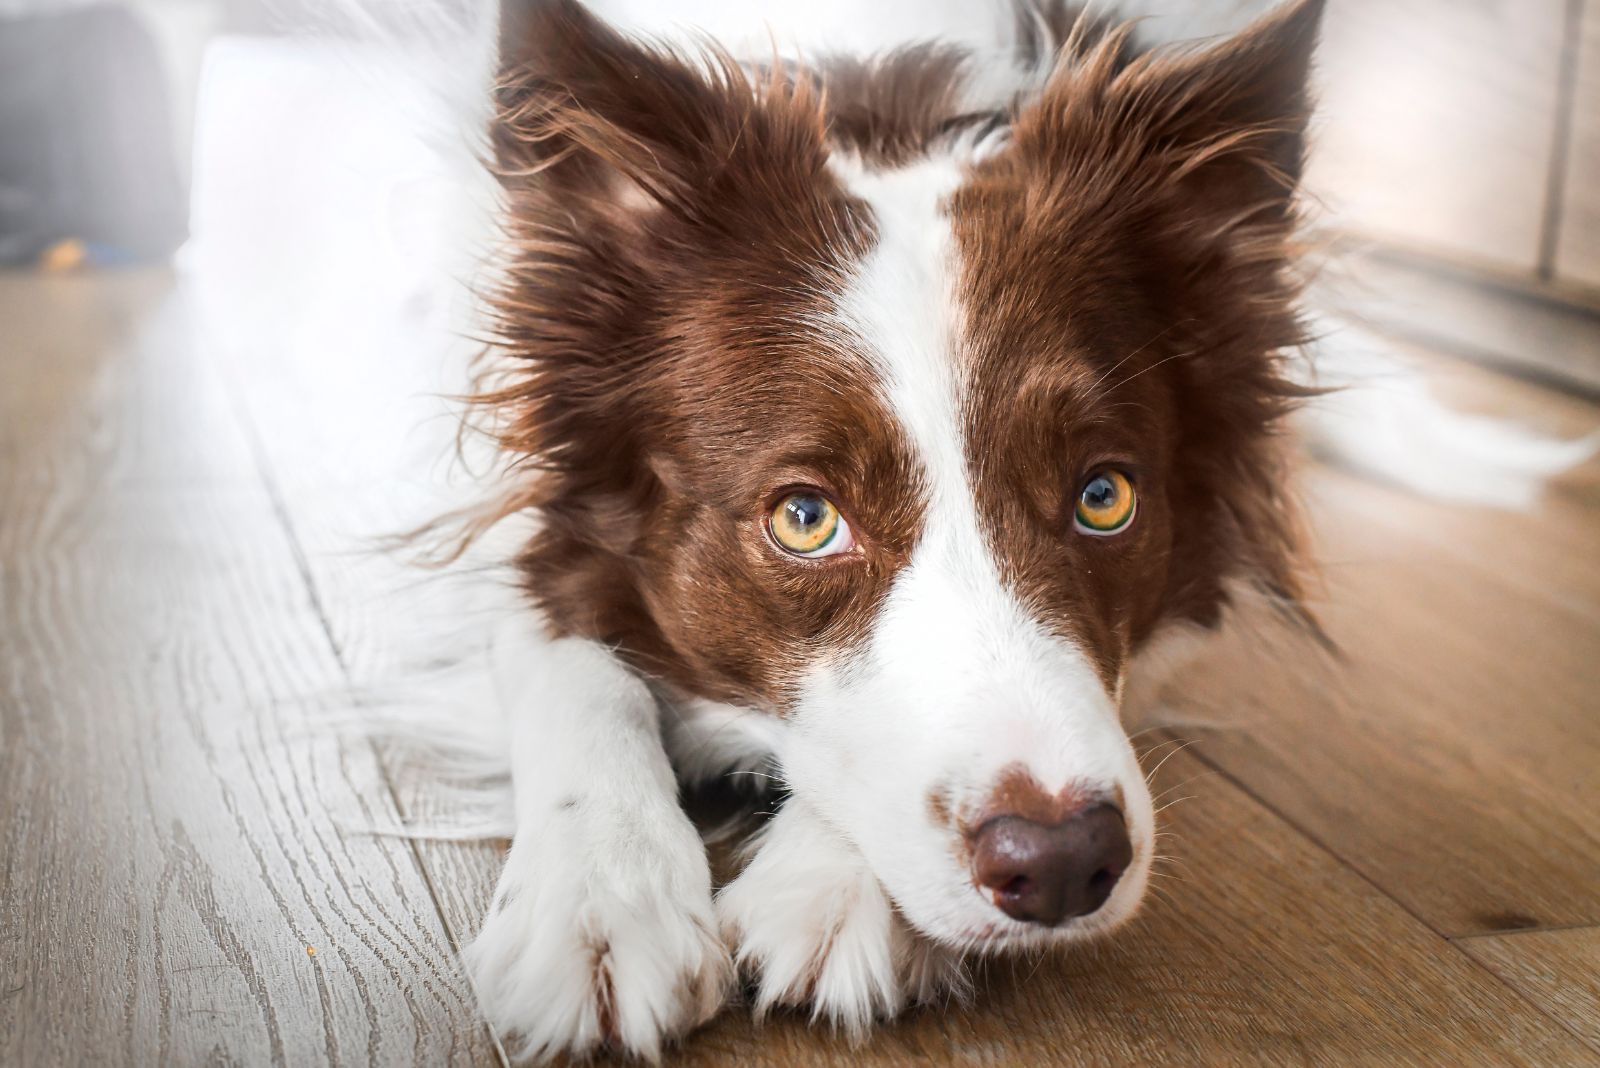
608,122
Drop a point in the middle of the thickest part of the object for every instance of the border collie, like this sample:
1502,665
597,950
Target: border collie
878,416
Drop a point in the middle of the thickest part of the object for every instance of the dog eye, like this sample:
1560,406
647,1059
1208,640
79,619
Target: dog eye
1105,504
808,524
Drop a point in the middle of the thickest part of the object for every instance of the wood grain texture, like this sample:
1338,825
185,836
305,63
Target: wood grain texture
372,601
185,879
1578,247
1450,757
1557,970
1437,123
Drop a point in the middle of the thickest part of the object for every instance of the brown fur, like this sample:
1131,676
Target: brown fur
1017,793
673,231
1130,290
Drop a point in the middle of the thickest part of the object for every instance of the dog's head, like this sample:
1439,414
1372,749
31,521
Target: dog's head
849,398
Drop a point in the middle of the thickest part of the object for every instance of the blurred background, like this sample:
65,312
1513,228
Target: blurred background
1458,148
238,243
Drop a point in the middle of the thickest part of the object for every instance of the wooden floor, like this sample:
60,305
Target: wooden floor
1394,861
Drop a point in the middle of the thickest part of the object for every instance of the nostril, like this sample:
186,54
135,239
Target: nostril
1047,873
1016,888
1101,883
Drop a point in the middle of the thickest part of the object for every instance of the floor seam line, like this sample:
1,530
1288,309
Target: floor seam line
1337,858
280,509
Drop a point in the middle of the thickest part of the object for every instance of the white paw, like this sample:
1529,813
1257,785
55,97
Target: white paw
583,951
929,973
813,927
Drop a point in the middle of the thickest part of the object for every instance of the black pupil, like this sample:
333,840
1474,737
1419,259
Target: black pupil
1100,493
805,512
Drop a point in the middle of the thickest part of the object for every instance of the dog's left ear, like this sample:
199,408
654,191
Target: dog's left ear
1218,131
1223,146
1180,168
1230,121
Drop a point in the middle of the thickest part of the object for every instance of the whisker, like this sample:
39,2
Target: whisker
1160,894
1157,747
1182,745
1152,367
1175,787
1161,334
753,773
1038,961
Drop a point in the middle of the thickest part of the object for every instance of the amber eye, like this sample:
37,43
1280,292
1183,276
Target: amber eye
807,524
1105,504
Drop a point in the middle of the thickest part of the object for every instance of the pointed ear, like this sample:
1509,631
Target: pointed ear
1224,137
1231,120
1218,132
607,119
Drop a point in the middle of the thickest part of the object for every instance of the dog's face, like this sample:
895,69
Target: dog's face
911,429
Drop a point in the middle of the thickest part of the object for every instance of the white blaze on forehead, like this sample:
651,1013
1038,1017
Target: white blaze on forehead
950,610
902,305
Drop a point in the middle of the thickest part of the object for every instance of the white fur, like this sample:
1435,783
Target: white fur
957,681
814,927
708,739
604,908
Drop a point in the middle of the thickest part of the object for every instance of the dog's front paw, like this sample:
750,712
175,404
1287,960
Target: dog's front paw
813,928
574,959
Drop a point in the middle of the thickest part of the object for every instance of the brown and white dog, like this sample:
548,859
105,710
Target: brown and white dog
878,416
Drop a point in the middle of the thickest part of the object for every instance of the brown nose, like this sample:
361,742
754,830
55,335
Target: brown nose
1049,873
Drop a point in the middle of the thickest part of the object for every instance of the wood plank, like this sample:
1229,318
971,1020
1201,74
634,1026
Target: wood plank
177,837
1578,248
1437,123
1559,971
1263,951
1450,756
171,820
